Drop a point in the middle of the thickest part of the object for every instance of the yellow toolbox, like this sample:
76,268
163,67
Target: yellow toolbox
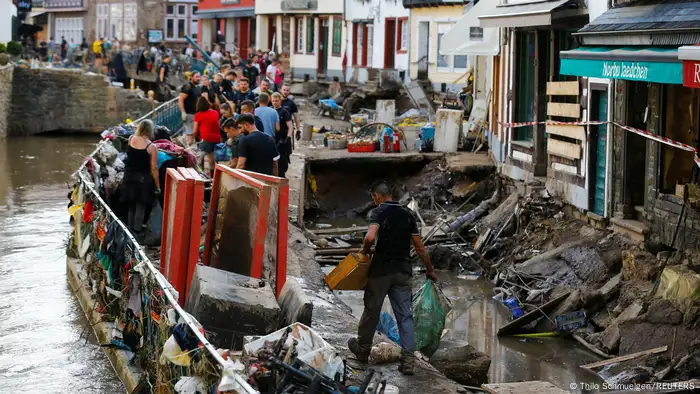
350,274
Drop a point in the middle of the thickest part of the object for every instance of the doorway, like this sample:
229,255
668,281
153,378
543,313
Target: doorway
636,149
271,32
598,155
525,83
323,46
389,43
423,50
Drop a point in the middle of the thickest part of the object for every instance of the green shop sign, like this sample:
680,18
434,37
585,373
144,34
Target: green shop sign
633,71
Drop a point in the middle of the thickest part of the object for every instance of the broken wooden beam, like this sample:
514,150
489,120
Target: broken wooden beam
532,387
628,357
532,316
339,231
590,346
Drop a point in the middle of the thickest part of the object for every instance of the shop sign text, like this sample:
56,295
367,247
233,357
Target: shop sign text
625,70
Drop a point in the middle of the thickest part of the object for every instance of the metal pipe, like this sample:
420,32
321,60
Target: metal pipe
164,285
204,54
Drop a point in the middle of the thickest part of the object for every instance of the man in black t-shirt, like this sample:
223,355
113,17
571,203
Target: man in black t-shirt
162,81
284,136
242,93
251,72
395,229
256,151
248,107
189,94
291,106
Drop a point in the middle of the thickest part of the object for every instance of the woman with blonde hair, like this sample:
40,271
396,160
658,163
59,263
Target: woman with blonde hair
141,183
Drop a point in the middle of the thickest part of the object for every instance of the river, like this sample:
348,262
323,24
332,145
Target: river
40,320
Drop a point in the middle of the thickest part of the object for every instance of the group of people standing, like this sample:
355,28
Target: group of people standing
258,128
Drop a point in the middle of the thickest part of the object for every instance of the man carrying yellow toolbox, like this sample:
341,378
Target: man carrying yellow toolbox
394,228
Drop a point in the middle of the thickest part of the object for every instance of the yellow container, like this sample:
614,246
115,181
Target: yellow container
350,274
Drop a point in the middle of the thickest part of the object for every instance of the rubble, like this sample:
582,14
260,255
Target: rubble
463,364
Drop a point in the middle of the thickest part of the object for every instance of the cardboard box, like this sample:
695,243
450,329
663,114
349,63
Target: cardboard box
350,274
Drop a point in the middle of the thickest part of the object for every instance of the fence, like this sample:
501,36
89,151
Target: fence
168,344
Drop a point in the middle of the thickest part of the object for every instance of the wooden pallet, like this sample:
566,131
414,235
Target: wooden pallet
533,387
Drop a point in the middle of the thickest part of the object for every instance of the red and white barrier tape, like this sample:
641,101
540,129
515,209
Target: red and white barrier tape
643,133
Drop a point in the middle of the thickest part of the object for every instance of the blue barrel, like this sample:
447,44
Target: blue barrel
427,132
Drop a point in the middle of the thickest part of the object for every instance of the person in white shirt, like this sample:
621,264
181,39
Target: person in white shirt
189,51
271,70
216,55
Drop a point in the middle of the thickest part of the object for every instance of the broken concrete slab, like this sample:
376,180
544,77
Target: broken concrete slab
663,312
464,364
638,335
295,305
495,219
231,305
639,265
610,338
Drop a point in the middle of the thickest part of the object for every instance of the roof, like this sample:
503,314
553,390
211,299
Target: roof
647,15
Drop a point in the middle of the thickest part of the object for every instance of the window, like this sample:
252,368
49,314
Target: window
370,44
102,21
299,26
360,39
116,21
131,22
443,61
402,35
194,22
460,63
310,34
70,28
337,36
176,25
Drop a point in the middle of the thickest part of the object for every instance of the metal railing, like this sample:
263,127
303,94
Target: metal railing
167,114
155,290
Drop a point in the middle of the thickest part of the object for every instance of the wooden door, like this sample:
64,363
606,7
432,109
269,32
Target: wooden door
599,146
323,46
389,43
243,37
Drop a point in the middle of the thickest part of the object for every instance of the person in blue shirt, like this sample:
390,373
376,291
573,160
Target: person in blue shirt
270,118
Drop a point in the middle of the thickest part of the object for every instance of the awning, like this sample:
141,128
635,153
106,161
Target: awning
468,38
35,14
222,13
520,15
690,52
648,64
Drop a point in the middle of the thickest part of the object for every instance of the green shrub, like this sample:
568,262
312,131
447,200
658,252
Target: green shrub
3,48
14,48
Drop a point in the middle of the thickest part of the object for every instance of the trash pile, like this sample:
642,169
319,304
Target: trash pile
561,277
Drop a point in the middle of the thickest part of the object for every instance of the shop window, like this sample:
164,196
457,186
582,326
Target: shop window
680,123
460,63
337,36
310,34
299,26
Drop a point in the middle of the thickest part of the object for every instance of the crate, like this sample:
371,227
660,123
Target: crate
365,148
337,144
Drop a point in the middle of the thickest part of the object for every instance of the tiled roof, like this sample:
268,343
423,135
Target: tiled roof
648,15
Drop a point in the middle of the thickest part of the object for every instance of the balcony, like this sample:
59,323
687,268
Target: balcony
431,3
63,4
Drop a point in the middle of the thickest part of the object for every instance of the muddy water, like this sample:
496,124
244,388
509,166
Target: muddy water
40,319
476,318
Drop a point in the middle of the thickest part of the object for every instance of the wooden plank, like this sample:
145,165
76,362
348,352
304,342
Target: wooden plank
575,132
564,168
563,88
628,357
336,231
532,316
532,387
564,149
565,110
518,155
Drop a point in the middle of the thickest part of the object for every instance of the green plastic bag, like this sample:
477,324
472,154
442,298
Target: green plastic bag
430,308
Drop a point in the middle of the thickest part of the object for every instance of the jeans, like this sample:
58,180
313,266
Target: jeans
398,288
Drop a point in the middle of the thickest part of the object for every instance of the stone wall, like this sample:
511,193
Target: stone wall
663,220
56,99
5,98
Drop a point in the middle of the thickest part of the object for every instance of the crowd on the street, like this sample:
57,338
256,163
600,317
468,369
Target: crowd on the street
245,106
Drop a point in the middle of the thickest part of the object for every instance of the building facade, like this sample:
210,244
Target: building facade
429,21
128,21
378,40
309,35
67,18
8,12
230,21
647,88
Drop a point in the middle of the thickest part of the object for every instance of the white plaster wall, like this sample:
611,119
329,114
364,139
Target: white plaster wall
7,11
596,8
310,60
378,10
275,7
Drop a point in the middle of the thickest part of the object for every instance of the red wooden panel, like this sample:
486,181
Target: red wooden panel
174,241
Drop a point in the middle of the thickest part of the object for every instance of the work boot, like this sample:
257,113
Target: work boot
408,363
359,351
